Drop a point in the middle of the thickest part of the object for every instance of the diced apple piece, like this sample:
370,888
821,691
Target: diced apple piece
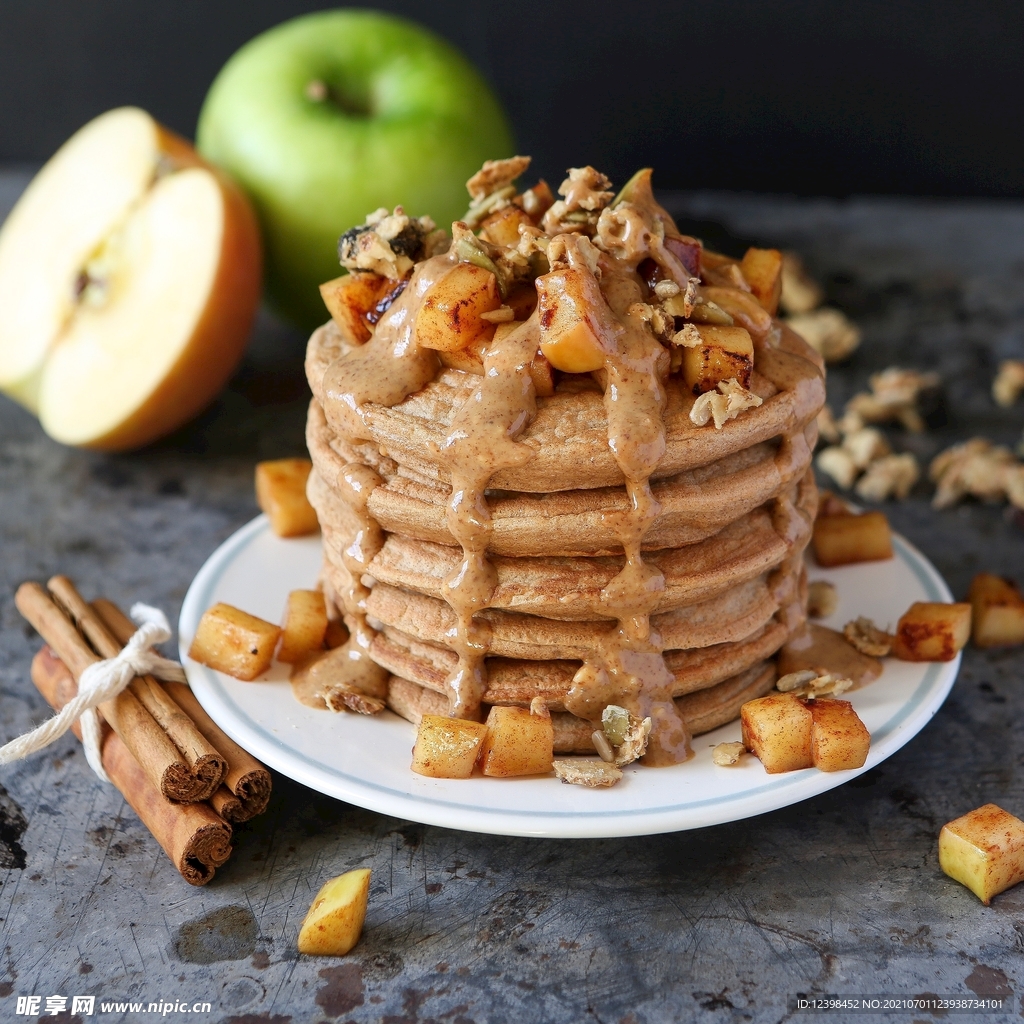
234,642
518,743
845,539
502,228
762,269
984,850
839,739
932,631
336,634
522,299
568,299
777,730
449,318
447,748
305,625
744,309
997,612
686,250
537,201
724,353
349,298
543,375
281,493
471,358
335,919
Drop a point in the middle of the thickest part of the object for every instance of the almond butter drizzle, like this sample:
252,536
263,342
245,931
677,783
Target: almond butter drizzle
627,667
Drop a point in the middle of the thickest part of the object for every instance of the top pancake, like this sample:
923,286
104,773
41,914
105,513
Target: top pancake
569,435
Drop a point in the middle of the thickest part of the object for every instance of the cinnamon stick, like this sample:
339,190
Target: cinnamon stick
195,838
147,743
200,769
245,790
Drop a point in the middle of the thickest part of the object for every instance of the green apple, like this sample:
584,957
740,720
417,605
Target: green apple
332,115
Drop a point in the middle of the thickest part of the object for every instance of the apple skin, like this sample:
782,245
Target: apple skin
420,121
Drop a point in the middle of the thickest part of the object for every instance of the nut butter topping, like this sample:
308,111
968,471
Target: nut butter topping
606,315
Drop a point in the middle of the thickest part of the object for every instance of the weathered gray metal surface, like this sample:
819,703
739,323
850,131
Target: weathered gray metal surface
839,894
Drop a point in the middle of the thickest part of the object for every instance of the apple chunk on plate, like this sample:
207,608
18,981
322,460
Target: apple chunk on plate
129,275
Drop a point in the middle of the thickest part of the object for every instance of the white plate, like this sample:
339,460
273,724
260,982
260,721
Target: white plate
365,760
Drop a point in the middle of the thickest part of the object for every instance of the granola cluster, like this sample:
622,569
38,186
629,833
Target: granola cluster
389,244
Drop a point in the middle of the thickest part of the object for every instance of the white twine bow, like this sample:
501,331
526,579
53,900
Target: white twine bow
100,682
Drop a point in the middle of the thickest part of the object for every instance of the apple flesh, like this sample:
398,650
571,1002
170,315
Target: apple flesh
334,114
129,276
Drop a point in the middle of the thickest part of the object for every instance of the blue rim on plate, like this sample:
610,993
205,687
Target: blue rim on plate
230,704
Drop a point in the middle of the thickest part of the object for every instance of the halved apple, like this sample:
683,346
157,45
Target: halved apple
129,275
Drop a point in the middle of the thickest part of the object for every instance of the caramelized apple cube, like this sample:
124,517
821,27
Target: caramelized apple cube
336,634
502,228
281,493
997,612
932,631
335,919
568,299
543,374
305,624
845,539
447,748
743,307
449,317
839,739
724,353
234,642
518,743
762,269
777,730
686,250
537,201
471,358
984,850
349,298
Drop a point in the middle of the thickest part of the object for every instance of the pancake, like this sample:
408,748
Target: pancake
568,522
499,529
568,439
705,710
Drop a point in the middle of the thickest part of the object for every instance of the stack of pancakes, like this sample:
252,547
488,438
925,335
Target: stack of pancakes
737,506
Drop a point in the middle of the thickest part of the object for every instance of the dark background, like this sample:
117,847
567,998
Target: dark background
803,96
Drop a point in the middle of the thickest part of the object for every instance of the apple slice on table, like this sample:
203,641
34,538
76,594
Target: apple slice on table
129,275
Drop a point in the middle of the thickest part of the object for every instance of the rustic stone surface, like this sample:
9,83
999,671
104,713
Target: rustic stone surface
841,894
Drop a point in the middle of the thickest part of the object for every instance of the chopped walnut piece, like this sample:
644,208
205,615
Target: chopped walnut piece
894,396
663,325
976,467
822,599
800,292
491,187
828,429
495,175
838,463
889,476
634,743
585,193
580,771
539,708
863,634
866,445
726,754
343,697
808,683
687,337
1009,382
828,332
723,405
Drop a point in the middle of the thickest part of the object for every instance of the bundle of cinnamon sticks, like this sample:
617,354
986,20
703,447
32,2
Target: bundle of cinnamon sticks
182,775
